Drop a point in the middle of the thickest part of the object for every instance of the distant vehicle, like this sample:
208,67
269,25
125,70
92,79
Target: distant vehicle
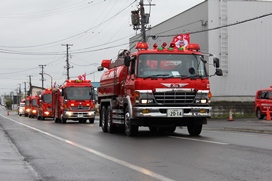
34,104
74,100
45,107
263,101
27,106
21,108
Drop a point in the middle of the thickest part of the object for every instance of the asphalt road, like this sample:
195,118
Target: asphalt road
76,151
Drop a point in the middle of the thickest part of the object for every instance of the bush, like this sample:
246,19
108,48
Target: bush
8,104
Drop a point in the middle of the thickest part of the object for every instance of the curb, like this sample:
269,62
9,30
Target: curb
247,130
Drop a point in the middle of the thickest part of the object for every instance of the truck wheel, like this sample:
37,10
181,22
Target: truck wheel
194,129
130,130
104,121
62,119
171,129
56,120
91,121
259,114
153,129
110,127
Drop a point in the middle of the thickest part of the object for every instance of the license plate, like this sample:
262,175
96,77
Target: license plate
80,115
175,113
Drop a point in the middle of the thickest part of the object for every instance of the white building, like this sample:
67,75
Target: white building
239,32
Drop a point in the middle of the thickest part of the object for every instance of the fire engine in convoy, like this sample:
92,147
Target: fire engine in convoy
45,106
74,101
160,88
34,104
27,106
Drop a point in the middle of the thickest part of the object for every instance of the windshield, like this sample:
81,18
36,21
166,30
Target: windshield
171,65
78,93
47,98
34,102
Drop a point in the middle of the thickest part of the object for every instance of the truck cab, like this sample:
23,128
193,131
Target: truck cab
263,102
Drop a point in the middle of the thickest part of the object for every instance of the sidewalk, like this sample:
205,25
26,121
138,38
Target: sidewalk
251,125
12,163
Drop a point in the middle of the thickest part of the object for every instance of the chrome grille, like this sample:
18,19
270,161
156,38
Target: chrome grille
74,108
174,97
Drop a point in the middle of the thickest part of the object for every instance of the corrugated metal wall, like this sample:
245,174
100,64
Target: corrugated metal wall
244,49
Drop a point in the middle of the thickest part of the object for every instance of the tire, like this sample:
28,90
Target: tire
194,129
153,129
91,121
171,129
259,114
56,120
130,130
110,126
104,121
62,119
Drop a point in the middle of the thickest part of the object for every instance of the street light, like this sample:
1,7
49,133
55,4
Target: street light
50,78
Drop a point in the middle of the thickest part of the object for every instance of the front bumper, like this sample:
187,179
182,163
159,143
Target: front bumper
165,112
79,115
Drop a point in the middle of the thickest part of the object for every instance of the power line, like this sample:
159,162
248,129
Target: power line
219,27
65,39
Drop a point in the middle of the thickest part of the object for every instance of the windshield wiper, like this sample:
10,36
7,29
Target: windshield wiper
157,75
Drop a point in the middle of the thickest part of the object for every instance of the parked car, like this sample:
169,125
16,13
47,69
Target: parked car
263,102
21,109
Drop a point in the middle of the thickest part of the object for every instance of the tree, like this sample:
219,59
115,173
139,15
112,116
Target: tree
8,104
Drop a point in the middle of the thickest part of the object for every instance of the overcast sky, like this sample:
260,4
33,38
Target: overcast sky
33,33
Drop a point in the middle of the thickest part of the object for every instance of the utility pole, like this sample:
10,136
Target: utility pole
67,59
140,19
30,85
42,75
20,94
25,89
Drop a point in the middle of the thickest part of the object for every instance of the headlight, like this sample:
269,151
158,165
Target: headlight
143,96
90,113
69,113
203,96
146,101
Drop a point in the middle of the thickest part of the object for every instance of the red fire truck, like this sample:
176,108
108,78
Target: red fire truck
160,88
45,106
74,101
34,104
27,106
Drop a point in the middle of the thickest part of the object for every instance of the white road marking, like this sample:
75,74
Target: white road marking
206,141
116,160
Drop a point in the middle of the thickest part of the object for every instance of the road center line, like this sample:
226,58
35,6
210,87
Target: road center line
121,162
206,141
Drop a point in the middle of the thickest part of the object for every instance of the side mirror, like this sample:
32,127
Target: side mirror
100,68
218,72
127,61
216,62
61,92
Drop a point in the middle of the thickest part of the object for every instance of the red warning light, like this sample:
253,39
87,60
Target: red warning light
142,45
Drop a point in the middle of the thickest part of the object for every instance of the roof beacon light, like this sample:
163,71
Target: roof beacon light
193,47
172,45
164,44
155,46
141,45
